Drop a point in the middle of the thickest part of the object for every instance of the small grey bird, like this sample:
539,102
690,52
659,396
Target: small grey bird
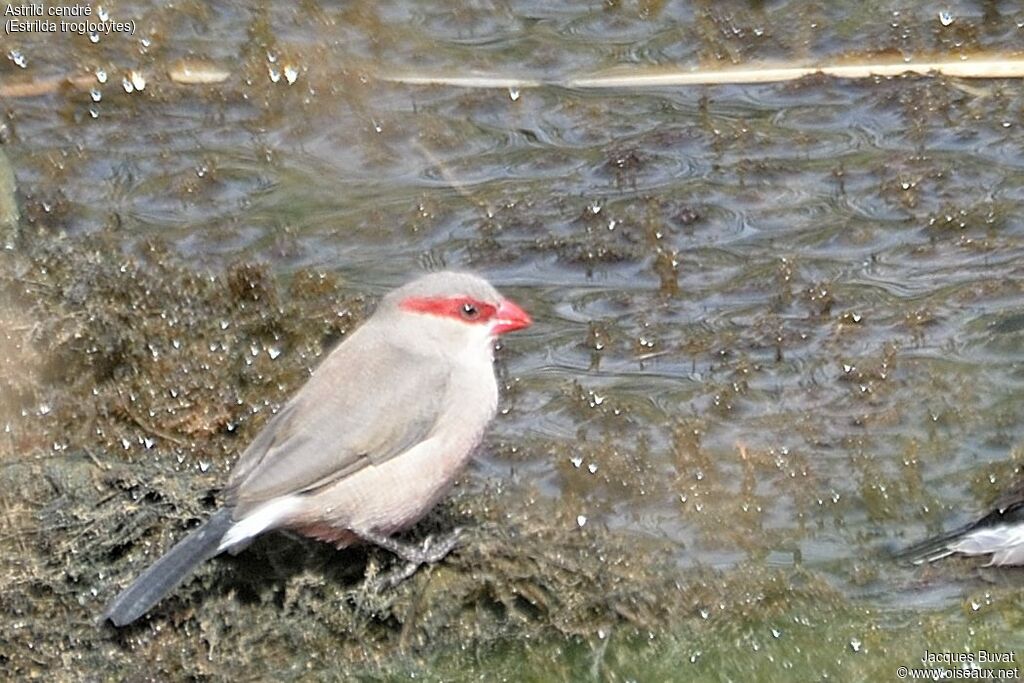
999,534
372,440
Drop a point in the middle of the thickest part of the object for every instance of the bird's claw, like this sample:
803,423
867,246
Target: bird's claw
436,549
433,549
392,578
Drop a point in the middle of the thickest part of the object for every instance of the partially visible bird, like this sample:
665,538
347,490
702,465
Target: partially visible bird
372,440
999,534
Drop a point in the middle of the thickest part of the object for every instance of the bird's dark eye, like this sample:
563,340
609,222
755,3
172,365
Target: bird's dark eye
469,311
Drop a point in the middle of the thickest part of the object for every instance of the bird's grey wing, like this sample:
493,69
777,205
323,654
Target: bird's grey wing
350,414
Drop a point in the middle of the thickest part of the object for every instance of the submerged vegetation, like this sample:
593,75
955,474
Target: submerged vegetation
131,381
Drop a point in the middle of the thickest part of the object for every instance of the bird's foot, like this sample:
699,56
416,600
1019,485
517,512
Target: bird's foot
433,549
436,548
392,578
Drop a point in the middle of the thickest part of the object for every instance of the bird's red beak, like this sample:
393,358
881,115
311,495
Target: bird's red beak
509,317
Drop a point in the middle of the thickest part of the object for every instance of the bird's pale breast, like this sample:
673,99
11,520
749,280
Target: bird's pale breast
394,494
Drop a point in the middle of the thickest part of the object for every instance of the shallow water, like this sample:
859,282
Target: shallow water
775,323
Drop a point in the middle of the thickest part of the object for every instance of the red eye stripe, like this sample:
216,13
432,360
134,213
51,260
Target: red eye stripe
462,308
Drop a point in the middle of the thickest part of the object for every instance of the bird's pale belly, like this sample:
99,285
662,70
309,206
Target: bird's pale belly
383,498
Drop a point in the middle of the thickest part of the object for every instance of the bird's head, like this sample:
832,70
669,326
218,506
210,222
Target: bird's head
455,308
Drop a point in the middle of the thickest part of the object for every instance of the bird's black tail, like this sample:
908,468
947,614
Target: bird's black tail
170,570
